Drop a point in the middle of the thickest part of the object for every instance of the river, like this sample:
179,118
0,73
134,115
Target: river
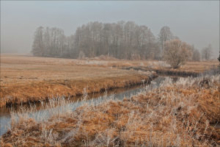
39,112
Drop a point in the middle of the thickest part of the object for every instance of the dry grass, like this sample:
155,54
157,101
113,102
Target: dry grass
196,67
173,115
25,79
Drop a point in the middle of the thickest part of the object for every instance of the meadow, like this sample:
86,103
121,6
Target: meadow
29,79
182,113
178,114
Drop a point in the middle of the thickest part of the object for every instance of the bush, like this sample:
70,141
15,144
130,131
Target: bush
176,53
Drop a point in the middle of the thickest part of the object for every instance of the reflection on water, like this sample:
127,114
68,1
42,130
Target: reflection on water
42,113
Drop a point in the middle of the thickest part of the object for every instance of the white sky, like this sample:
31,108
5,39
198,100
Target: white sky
196,22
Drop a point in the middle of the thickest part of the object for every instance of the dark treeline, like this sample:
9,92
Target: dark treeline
123,40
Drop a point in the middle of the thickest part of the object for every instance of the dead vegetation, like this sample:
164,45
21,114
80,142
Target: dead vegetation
29,79
177,114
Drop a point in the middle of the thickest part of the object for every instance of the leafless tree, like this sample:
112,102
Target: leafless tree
165,35
38,44
123,40
196,55
176,52
81,55
207,52
51,42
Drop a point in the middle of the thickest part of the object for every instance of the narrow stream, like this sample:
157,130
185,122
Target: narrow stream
41,113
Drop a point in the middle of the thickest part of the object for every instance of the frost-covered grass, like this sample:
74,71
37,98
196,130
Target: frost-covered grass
175,114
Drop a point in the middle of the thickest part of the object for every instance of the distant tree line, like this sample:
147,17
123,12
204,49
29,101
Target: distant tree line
51,42
122,40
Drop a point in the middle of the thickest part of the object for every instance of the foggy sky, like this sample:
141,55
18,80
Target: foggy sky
196,22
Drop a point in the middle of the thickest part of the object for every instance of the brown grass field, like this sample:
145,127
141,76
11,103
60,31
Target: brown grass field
176,114
26,78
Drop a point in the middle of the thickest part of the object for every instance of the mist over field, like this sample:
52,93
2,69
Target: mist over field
110,73
195,22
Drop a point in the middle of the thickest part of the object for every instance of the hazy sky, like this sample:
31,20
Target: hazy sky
196,22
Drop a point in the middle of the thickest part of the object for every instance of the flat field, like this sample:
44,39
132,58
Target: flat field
25,78
175,114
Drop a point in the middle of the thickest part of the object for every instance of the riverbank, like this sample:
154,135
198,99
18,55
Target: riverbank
26,79
175,114
43,110
34,79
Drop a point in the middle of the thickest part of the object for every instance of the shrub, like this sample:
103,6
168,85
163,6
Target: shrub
176,53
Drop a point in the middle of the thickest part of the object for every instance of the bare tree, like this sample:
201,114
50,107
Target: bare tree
196,55
81,55
207,52
38,44
120,40
176,53
165,35
124,40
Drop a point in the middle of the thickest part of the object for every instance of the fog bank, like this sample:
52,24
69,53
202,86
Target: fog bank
196,22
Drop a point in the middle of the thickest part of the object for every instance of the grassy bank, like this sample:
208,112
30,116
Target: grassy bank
32,79
177,114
